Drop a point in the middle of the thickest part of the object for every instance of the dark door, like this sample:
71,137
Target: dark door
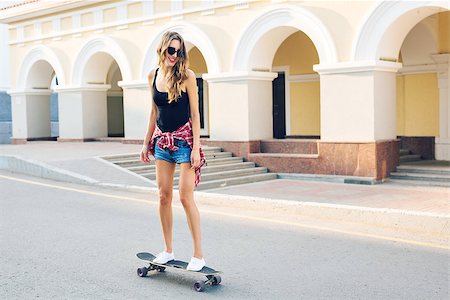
279,106
200,102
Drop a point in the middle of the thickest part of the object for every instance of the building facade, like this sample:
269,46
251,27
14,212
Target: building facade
354,80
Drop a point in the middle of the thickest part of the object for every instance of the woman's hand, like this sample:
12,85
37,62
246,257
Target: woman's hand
144,154
195,158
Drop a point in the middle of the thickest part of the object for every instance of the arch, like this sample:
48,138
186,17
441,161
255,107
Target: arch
191,34
95,47
279,23
38,61
386,26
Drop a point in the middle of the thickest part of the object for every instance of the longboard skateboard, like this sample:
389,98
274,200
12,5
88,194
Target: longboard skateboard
212,275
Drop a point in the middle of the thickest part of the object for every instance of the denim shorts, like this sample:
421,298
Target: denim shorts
182,155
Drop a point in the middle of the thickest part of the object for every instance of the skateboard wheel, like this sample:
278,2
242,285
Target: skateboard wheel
161,269
199,286
217,280
142,272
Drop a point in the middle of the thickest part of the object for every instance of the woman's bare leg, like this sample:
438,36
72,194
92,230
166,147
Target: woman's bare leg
164,178
186,189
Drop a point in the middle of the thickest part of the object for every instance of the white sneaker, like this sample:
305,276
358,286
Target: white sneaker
164,257
196,264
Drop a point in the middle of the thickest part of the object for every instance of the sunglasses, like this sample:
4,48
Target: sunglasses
172,50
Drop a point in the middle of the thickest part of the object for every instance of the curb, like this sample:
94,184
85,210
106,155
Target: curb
18,164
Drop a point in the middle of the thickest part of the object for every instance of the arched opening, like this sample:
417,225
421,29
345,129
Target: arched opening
197,64
115,102
296,90
40,83
101,70
419,104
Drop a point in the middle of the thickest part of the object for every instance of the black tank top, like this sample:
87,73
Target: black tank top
170,116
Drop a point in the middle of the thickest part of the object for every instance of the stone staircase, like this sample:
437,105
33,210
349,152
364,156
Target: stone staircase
414,170
221,169
407,156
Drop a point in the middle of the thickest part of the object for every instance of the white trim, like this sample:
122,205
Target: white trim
102,44
145,19
83,88
417,69
287,92
35,54
357,67
284,15
242,5
238,76
377,23
133,84
313,77
38,28
30,92
208,5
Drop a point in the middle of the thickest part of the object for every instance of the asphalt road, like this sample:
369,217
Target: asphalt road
63,241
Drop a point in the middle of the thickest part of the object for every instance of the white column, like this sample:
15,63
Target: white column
137,104
442,143
30,114
240,105
82,112
357,101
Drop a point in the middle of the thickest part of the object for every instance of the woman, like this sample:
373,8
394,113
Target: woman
173,137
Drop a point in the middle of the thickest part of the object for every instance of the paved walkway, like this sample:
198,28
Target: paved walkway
83,159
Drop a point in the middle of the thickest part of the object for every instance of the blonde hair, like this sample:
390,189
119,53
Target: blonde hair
178,73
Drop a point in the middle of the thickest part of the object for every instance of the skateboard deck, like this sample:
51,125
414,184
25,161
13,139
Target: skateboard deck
212,275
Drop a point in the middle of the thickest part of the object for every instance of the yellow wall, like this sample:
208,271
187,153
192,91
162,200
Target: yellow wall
417,105
66,24
87,19
400,105
135,10
299,53
110,15
28,31
305,108
162,6
12,34
47,27
444,32
197,62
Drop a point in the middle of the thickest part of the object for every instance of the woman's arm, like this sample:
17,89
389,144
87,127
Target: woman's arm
151,121
191,87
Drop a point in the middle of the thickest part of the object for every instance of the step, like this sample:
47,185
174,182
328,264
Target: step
223,161
404,152
424,170
150,173
212,155
231,174
121,157
410,158
205,185
419,183
134,162
135,156
420,177
209,162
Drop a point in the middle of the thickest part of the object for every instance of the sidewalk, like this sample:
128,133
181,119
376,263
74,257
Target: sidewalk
391,204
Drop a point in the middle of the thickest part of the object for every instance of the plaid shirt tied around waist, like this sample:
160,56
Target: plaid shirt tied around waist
166,141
